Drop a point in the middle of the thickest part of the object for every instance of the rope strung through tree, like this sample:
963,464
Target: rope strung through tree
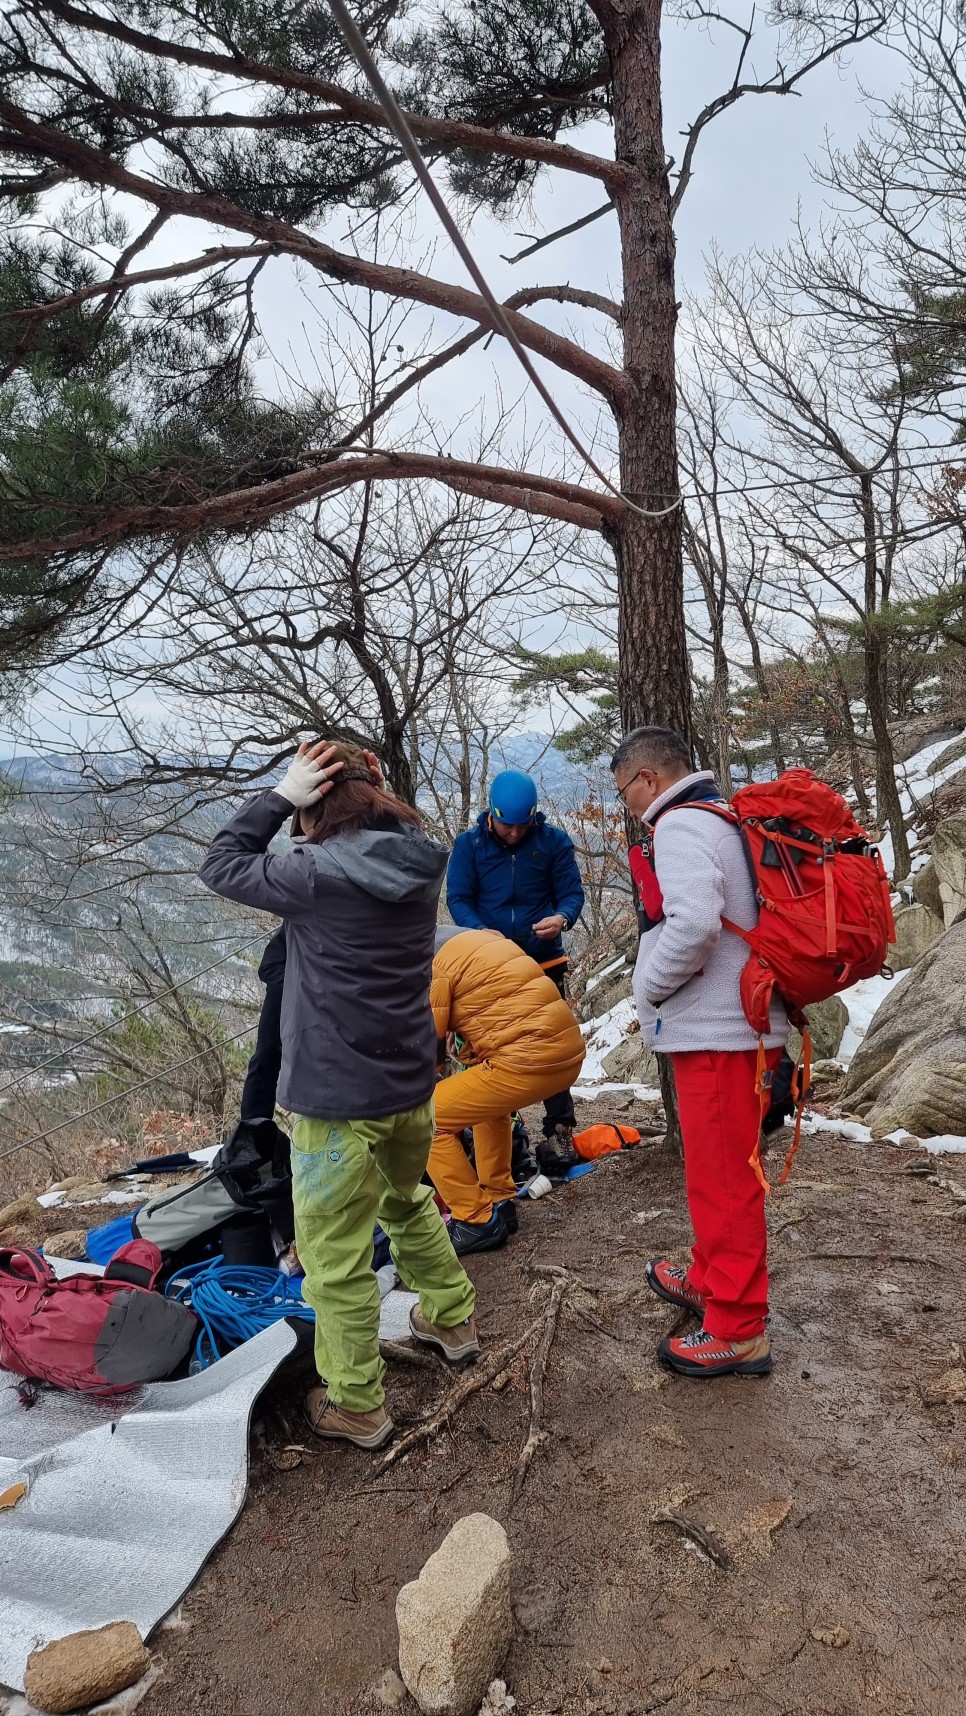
400,125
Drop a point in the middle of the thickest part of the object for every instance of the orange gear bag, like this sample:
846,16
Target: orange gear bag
603,1140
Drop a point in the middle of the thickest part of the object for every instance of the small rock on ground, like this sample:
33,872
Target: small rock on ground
498,1700
85,1667
389,1691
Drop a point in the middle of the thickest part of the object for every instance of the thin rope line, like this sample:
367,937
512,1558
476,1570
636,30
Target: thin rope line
400,125
31,1143
115,1024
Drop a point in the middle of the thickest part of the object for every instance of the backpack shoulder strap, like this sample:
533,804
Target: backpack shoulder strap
718,807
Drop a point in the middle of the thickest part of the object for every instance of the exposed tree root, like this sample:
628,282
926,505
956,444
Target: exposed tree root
538,1369
478,1377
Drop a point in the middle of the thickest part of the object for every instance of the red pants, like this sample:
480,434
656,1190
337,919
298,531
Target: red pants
720,1117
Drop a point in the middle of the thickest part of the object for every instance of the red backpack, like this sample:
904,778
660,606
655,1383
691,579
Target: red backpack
825,911
101,1334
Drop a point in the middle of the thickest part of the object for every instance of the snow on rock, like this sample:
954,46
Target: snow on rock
598,977
917,786
863,1001
604,1034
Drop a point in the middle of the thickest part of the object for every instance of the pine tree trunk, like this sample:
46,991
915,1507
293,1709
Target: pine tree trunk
653,684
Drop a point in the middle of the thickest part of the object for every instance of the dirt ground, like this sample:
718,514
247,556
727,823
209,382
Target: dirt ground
833,1489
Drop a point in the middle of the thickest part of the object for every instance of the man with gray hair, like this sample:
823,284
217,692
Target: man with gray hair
692,879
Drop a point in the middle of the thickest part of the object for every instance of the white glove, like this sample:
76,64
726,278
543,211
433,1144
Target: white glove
304,783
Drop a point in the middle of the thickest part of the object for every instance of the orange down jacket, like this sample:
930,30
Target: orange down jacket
496,997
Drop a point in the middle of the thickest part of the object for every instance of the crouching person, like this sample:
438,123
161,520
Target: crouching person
687,990
358,1064
525,1044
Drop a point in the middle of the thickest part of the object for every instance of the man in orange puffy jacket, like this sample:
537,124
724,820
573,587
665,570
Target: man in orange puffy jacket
525,1044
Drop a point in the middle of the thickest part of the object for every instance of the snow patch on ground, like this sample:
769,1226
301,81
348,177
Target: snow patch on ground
641,1092
944,1144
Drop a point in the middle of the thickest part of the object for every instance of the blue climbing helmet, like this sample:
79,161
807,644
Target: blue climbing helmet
513,797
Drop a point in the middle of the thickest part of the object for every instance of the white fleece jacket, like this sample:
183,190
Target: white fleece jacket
686,980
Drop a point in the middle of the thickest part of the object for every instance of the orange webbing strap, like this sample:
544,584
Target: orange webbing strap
831,941
763,1092
548,964
800,1083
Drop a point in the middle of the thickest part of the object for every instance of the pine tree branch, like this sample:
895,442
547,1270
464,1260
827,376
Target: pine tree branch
561,232
244,508
451,132
96,167
780,83
566,295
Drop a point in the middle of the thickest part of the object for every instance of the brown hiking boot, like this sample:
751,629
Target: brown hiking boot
702,1354
458,1345
335,1423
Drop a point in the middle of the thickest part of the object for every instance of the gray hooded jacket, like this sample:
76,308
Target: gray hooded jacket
360,913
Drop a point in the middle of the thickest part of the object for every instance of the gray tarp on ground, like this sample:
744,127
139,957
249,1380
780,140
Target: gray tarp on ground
126,1500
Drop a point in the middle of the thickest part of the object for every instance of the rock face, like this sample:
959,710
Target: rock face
85,1668
455,1622
949,863
917,930
606,993
954,753
916,731
827,1021
910,1071
631,1062
925,889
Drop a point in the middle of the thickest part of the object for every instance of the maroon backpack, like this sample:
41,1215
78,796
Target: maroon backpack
101,1334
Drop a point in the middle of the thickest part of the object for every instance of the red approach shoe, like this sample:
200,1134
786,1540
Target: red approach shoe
671,1283
701,1354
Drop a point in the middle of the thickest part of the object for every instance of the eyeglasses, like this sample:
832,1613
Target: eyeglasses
623,790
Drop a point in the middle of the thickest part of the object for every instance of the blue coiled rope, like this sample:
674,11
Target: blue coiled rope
233,1303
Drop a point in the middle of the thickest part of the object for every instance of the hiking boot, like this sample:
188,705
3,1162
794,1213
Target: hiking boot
336,1424
507,1209
671,1283
458,1345
557,1155
468,1236
701,1354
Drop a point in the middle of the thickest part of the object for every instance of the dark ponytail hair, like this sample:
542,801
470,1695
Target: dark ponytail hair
356,801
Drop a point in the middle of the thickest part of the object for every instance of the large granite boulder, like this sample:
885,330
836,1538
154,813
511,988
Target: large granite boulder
954,753
914,732
827,1022
917,930
632,1062
925,889
949,863
909,1073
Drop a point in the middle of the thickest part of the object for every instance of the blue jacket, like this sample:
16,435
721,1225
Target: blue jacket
492,886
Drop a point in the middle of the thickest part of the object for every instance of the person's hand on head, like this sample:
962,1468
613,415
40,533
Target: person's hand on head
310,774
550,927
375,769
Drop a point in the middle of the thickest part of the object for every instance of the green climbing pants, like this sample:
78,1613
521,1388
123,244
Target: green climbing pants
346,1175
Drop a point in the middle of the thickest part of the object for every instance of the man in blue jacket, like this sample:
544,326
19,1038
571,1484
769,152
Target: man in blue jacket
516,873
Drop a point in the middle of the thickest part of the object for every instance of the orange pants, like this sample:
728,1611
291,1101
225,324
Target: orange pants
484,1097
